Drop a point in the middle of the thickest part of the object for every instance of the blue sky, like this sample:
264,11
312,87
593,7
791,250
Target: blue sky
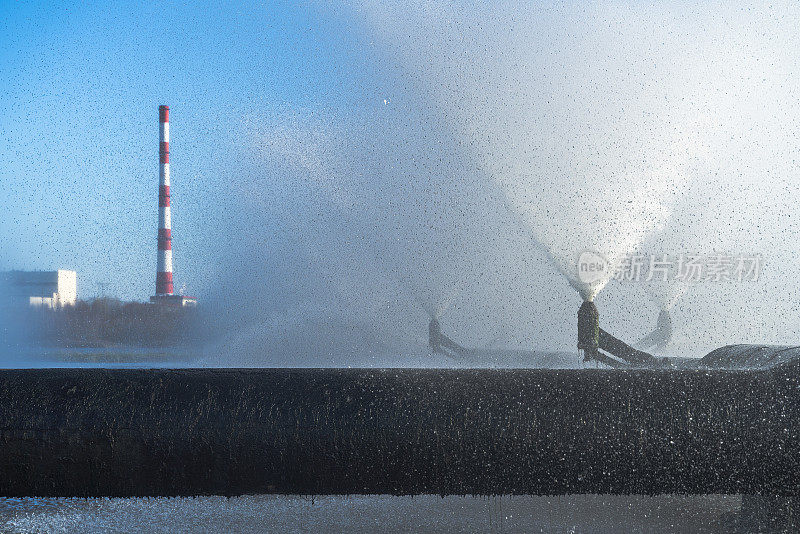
79,92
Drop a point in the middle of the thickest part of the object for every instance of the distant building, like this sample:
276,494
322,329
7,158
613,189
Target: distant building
174,300
48,289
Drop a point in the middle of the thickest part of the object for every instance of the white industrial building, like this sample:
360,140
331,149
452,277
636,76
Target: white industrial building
178,301
48,289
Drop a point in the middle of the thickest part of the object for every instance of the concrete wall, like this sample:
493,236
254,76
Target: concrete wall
123,432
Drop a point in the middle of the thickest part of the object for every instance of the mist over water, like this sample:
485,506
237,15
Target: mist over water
599,121
513,139
459,161
410,206
387,228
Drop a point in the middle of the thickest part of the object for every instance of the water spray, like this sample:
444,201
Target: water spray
661,335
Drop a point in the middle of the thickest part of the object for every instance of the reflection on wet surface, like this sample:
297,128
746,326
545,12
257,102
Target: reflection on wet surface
125,357
381,513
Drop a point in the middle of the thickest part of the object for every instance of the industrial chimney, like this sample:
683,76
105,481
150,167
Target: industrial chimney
164,268
164,288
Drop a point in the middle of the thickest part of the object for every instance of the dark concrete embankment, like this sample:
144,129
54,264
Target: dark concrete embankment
88,432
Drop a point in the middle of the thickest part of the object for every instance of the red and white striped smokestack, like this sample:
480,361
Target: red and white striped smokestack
164,268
